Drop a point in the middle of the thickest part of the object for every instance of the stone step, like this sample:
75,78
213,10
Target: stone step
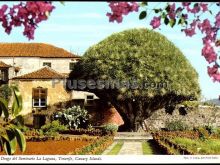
133,136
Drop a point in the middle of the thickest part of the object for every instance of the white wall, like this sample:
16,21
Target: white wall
61,65
30,64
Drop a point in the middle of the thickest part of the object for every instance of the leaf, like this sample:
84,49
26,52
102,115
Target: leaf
167,8
18,120
4,107
20,139
166,21
12,142
142,15
157,10
143,3
172,22
163,15
1,144
17,103
181,21
7,147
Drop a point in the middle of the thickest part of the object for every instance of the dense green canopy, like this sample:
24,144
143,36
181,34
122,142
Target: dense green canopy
142,55
146,57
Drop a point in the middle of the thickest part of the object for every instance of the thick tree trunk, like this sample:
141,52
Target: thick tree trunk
133,115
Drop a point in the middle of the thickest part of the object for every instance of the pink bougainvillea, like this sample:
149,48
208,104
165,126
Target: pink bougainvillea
155,22
118,9
29,14
178,14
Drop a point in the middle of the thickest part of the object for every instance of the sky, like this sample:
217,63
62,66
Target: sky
75,26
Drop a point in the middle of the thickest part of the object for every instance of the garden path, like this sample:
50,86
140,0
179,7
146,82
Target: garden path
132,143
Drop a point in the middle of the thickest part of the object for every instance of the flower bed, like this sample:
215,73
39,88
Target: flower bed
186,143
93,132
55,145
95,148
51,147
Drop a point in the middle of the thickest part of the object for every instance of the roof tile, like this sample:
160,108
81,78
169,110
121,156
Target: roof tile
4,65
33,50
43,73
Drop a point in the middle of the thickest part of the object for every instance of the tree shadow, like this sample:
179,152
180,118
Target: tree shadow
157,150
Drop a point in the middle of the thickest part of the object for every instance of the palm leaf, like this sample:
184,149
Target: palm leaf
17,103
20,139
4,107
12,141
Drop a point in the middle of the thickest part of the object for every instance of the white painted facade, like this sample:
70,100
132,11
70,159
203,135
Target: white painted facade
30,64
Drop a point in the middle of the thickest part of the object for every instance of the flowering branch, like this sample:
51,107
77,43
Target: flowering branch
172,15
29,14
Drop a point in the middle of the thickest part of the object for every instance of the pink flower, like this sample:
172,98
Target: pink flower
209,53
186,3
118,9
3,10
189,32
29,31
155,22
205,26
214,73
212,70
134,7
204,6
172,12
195,9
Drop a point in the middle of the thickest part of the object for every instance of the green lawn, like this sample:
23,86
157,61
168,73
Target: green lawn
115,150
209,146
147,149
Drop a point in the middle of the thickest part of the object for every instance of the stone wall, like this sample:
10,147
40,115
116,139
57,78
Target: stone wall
201,116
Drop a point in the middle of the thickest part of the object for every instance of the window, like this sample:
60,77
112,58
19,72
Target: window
90,97
71,66
39,97
47,64
3,75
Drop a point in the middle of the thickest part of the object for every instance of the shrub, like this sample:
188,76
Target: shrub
193,104
81,131
34,133
52,129
110,129
211,130
96,147
218,132
5,91
23,129
176,126
203,133
75,117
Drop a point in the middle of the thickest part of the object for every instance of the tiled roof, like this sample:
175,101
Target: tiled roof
44,73
4,65
33,50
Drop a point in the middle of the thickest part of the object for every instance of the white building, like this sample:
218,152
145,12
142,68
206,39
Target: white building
24,62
